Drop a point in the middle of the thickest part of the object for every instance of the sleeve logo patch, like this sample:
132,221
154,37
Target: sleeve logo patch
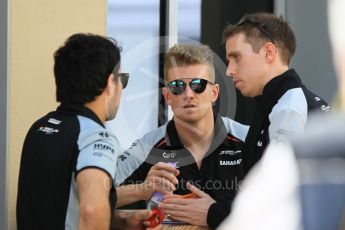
103,147
47,130
54,121
104,134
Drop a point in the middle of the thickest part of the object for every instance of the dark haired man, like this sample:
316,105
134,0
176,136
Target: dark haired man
69,157
301,185
258,49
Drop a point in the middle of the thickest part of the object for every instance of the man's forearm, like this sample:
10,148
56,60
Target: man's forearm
127,194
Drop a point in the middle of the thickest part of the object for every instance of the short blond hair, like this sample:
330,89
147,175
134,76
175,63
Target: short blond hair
189,54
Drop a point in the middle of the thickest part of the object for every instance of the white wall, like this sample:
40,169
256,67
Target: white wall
135,24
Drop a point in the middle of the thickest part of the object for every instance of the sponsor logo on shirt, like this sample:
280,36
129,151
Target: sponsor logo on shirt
230,152
98,154
325,108
317,99
133,145
122,157
234,162
54,121
286,132
103,134
259,143
169,155
100,146
47,130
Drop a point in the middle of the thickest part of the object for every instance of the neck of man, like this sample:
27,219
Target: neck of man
98,107
273,71
196,136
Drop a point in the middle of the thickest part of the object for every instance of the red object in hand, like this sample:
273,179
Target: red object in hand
156,218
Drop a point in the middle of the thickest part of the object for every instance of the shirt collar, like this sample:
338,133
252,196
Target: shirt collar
276,87
76,109
173,140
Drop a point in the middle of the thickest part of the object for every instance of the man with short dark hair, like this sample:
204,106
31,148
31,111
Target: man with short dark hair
301,185
69,158
258,49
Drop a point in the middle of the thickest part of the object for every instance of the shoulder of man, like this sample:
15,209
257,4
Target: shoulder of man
237,129
97,146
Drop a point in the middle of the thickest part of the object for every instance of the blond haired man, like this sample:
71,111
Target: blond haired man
205,146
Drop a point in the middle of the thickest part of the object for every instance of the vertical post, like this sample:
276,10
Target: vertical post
214,17
168,31
279,7
3,112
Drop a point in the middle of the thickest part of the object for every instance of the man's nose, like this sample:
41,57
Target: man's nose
230,71
189,92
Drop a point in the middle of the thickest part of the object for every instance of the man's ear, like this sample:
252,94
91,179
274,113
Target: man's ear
271,52
215,92
166,95
111,85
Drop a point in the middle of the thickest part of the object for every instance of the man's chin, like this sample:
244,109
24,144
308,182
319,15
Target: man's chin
189,118
245,93
111,116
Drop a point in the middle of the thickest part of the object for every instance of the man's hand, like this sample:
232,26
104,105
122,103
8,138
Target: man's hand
128,220
193,211
160,178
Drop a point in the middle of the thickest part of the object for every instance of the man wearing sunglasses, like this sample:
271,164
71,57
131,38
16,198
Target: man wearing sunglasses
205,147
259,49
69,158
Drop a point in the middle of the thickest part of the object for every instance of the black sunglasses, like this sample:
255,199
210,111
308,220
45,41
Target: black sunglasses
257,25
124,79
197,85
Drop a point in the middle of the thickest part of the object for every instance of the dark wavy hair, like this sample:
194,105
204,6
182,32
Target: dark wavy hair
82,67
262,27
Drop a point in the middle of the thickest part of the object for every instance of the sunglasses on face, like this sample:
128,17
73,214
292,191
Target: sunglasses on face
124,79
257,25
197,85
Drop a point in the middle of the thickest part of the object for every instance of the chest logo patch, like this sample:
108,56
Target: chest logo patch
169,155
230,152
234,162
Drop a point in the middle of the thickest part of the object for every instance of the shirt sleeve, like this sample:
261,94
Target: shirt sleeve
285,124
269,197
131,167
98,149
217,213
132,164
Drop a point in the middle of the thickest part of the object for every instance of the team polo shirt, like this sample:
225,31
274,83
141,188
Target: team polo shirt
281,113
219,175
56,148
